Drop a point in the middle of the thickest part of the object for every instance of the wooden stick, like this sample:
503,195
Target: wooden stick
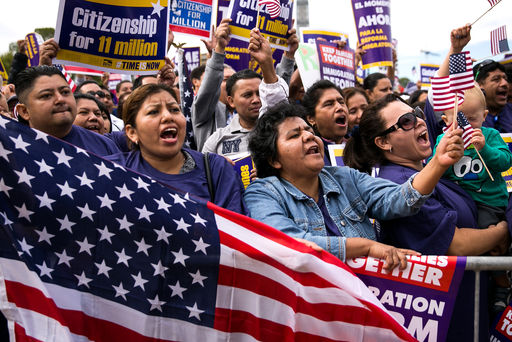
484,13
482,159
455,122
258,17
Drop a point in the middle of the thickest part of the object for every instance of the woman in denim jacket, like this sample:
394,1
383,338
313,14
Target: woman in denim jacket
331,206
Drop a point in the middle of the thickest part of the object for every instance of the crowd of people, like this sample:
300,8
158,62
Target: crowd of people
387,202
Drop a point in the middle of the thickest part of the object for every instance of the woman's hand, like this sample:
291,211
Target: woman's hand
393,256
450,149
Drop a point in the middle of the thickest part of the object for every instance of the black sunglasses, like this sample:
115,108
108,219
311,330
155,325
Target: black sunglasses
406,121
98,93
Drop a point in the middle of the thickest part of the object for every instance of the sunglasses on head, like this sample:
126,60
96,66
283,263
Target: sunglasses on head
406,121
482,65
98,93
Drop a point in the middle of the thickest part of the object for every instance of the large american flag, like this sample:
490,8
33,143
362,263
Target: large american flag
186,97
92,251
499,42
273,7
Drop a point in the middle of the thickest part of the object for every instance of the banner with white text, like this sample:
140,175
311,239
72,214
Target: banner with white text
244,14
336,65
128,36
191,17
421,297
373,24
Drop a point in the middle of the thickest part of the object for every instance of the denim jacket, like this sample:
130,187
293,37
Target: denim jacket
351,197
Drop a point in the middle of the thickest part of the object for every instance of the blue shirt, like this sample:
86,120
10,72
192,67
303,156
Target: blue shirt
228,186
351,197
90,141
502,122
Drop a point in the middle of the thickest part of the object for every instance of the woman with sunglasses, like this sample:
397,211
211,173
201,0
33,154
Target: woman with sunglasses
330,206
394,137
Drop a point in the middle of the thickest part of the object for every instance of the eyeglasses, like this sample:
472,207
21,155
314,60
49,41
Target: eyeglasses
98,93
482,65
406,121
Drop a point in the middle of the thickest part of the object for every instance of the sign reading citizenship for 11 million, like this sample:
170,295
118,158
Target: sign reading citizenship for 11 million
128,36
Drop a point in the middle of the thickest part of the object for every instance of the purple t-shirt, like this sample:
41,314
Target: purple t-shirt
90,141
228,186
430,232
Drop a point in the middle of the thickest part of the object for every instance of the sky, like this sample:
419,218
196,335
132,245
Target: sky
416,24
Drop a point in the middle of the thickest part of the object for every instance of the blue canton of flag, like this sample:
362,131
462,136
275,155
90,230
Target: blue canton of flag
87,228
187,97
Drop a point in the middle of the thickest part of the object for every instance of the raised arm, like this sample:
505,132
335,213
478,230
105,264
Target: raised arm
273,89
459,38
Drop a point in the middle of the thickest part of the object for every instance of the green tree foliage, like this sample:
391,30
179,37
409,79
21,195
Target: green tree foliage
45,32
7,60
404,81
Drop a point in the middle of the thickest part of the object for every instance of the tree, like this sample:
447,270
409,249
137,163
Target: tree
45,32
6,58
404,81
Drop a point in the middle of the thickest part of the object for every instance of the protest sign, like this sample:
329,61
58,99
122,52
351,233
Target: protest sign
3,73
309,35
421,297
373,26
507,175
243,167
502,331
336,65
33,42
191,17
128,36
237,54
426,72
336,154
244,14
306,58
193,57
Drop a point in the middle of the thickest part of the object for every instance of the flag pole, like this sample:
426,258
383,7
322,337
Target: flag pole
258,16
484,13
455,111
482,159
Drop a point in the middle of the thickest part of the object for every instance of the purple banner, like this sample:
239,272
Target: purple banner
336,65
310,36
33,41
193,57
421,297
237,54
244,16
243,166
373,24
426,72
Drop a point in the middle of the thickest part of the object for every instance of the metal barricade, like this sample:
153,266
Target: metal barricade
484,263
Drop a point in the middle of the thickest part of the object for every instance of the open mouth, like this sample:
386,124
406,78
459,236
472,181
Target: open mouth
93,128
313,150
342,121
423,138
169,134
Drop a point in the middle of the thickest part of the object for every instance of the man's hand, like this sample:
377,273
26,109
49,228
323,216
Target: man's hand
222,36
48,51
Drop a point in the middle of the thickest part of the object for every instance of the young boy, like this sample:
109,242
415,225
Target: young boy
491,197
